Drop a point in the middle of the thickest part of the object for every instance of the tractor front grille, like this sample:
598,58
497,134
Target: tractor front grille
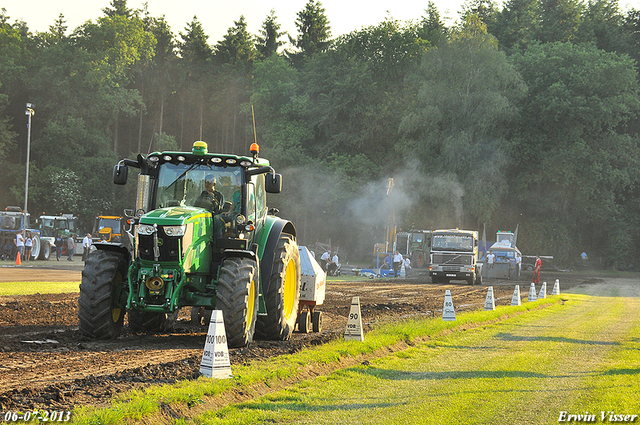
169,246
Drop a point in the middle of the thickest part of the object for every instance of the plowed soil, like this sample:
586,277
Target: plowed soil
45,362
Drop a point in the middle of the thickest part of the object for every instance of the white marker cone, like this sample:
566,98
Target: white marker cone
556,288
215,358
532,293
353,330
515,300
448,312
490,303
543,291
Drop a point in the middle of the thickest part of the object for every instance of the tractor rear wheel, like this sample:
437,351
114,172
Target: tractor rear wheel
100,310
283,292
237,297
35,247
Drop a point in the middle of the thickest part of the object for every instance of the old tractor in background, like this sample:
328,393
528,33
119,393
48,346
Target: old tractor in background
12,219
239,258
52,226
108,228
415,244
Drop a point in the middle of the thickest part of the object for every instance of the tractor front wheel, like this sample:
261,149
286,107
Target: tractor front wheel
283,292
100,309
237,297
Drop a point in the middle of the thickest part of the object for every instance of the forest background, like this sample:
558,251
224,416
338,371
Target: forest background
521,115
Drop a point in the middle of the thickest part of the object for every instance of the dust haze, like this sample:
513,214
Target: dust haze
325,209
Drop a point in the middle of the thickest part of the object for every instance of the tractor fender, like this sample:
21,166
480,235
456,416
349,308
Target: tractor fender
114,247
240,253
268,241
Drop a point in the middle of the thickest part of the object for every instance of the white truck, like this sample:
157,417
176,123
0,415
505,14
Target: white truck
454,256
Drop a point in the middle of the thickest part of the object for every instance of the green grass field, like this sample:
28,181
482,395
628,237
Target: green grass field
28,288
574,353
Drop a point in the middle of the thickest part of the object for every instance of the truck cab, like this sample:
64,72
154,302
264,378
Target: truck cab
454,256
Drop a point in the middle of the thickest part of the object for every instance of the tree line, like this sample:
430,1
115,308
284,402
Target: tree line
521,114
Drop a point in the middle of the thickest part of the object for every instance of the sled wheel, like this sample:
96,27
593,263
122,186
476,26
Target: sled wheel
316,320
304,322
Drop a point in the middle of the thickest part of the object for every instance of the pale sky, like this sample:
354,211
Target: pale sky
217,16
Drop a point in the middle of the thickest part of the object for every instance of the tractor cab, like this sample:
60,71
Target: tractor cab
108,228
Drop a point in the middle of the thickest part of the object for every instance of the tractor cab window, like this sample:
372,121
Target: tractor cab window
261,194
251,202
113,224
182,184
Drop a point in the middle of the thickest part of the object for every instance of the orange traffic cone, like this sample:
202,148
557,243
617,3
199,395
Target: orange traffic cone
18,262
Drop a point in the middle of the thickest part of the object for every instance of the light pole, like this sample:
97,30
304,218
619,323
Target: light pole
30,112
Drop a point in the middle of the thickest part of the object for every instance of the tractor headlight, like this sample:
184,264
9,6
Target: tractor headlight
146,229
240,219
175,230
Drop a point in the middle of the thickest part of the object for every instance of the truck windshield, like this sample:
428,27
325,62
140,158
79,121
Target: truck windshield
452,243
181,184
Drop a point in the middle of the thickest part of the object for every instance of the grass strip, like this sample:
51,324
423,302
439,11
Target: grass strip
185,395
30,288
527,369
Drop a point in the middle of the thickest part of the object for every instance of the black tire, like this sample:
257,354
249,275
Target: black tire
151,321
304,322
237,297
479,279
316,321
100,310
283,292
45,250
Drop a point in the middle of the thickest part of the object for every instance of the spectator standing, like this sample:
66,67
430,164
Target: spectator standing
86,246
397,263
407,266
59,245
19,241
491,257
536,270
28,244
71,247
518,264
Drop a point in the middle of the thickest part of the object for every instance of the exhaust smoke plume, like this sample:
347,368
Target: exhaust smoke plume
325,210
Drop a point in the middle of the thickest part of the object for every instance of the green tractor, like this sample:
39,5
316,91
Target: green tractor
230,253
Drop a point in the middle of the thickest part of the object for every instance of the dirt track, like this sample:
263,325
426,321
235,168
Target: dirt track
45,363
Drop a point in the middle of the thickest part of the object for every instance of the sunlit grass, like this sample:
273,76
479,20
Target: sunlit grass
272,371
29,288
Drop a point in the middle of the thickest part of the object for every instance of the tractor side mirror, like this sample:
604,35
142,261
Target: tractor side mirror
120,174
273,183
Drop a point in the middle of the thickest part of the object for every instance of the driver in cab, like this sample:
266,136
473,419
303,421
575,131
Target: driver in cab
210,198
